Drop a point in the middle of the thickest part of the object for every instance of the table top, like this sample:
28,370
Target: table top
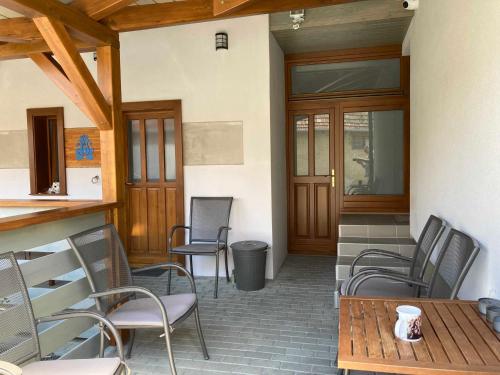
456,340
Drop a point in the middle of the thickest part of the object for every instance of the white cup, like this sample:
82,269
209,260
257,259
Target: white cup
409,324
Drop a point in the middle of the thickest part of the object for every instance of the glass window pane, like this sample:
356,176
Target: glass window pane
322,145
345,76
374,153
169,134
134,150
301,145
152,150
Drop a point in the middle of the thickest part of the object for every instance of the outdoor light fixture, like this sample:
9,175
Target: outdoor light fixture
298,17
221,41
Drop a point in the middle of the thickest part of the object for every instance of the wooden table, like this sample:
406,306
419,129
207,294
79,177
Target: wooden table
456,338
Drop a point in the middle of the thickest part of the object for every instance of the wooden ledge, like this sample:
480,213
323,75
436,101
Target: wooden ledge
65,210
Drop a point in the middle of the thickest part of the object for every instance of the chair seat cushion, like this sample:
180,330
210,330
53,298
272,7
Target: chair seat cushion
96,366
197,248
144,312
379,287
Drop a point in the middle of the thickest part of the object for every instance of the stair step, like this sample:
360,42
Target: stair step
352,246
343,265
374,225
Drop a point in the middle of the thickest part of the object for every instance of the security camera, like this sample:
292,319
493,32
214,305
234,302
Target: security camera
410,4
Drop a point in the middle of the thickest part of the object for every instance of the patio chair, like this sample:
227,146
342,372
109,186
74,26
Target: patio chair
102,256
452,265
19,345
208,232
426,244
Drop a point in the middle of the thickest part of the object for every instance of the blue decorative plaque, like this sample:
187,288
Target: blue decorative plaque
84,148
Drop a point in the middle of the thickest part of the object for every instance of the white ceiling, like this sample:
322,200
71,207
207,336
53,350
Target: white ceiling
367,23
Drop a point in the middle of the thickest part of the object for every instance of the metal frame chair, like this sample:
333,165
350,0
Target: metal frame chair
18,327
452,265
208,231
102,256
429,237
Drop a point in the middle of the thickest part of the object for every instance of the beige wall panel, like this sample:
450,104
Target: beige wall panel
213,143
14,149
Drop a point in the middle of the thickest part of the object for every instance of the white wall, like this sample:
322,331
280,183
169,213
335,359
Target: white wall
278,154
455,126
181,63
22,86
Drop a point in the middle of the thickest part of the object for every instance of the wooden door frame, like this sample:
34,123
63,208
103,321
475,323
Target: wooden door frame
381,99
324,248
173,107
58,114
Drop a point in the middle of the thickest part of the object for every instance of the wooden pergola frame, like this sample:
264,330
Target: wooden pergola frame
53,35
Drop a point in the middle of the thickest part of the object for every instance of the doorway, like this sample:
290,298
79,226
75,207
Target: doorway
312,203
347,141
155,180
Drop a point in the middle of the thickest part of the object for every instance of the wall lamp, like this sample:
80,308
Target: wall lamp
221,41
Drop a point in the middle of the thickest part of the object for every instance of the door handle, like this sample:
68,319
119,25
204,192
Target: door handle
333,178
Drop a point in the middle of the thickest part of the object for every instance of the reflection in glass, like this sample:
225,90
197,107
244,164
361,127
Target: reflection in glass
373,153
301,145
345,76
169,134
152,150
134,150
322,145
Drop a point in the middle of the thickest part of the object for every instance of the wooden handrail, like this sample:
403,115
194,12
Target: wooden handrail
66,209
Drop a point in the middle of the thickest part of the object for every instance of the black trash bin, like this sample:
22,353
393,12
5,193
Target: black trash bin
250,264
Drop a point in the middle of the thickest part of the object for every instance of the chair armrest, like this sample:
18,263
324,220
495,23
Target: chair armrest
88,314
8,368
379,252
383,270
136,289
219,235
170,265
172,232
364,277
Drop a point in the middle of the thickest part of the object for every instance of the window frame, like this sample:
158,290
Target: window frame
351,55
375,202
58,114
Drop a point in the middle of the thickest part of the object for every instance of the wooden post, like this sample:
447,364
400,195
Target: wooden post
113,141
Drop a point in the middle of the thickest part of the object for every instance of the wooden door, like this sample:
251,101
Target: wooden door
155,188
311,182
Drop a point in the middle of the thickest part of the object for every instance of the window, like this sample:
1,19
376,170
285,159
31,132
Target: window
374,153
46,148
317,79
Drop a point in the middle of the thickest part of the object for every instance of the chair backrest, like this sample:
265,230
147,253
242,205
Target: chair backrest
102,256
452,265
18,334
208,214
426,244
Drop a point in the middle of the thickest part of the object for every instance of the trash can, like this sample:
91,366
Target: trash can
250,264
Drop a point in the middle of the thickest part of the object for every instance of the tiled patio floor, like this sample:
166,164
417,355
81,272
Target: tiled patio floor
290,327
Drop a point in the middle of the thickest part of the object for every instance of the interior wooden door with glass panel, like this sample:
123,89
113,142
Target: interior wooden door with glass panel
155,195
311,174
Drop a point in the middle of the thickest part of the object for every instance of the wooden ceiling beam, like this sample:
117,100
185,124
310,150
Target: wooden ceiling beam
22,50
228,6
54,71
20,30
174,13
99,9
59,41
87,29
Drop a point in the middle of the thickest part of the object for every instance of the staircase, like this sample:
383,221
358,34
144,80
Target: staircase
358,232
